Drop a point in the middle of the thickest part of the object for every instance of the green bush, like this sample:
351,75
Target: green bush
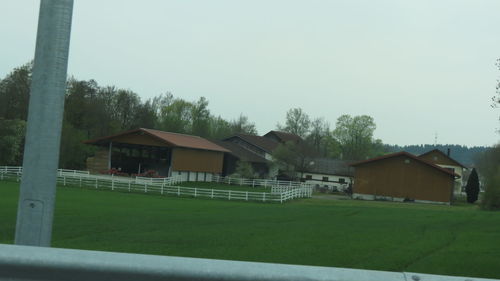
489,168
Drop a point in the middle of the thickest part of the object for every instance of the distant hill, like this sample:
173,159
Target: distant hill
462,154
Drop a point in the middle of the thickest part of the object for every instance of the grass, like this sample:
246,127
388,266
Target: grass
451,240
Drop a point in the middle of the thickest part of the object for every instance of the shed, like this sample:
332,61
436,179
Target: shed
402,176
138,150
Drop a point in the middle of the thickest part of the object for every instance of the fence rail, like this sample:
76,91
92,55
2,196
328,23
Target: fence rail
164,186
41,263
260,182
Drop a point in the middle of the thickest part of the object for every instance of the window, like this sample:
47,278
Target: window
309,177
325,178
341,180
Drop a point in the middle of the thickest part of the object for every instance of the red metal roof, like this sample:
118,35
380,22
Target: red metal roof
170,139
404,153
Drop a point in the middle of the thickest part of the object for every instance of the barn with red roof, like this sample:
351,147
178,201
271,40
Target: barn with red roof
139,150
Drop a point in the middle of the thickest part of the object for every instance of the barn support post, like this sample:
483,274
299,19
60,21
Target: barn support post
110,153
43,135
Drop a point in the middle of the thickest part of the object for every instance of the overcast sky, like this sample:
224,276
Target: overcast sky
417,67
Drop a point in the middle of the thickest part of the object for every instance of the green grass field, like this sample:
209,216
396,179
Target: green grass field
451,240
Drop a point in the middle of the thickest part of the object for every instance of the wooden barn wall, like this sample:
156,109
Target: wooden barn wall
197,160
394,178
138,139
441,160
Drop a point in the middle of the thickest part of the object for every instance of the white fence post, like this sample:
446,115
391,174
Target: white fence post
178,191
246,196
212,194
229,195
195,192
129,185
162,189
263,197
145,187
95,183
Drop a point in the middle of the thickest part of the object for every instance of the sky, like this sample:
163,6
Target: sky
423,69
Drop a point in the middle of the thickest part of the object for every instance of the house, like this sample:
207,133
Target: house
238,153
328,173
443,160
402,177
139,150
257,150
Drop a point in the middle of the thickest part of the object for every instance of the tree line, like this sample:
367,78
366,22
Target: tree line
93,111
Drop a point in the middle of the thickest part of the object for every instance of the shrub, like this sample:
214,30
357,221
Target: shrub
472,187
489,168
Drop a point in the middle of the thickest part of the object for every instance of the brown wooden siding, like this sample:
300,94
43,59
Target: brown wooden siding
440,159
139,139
197,160
393,177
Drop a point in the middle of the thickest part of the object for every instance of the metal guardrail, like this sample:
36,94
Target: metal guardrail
39,263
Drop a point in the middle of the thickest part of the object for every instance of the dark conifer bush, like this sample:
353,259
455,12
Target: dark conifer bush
472,187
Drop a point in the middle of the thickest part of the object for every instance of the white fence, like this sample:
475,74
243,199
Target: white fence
260,182
163,186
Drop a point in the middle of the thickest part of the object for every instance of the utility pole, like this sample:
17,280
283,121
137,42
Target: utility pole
43,135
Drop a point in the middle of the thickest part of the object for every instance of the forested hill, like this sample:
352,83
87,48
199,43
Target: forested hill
462,154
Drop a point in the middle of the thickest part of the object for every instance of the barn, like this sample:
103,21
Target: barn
402,177
140,150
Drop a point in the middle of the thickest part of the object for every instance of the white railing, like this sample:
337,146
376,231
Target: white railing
259,182
42,263
164,186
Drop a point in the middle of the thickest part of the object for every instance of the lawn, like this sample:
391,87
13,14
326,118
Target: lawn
452,240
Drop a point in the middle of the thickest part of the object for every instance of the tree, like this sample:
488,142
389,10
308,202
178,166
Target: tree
472,187
297,122
488,165
355,135
11,141
241,125
15,92
318,136
292,158
244,170
200,118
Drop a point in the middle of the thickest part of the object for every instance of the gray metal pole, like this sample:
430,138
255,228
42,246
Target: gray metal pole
43,135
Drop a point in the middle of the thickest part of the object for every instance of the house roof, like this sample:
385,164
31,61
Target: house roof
263,143
403,153
241,153
284,136
330,167
169,139
444,155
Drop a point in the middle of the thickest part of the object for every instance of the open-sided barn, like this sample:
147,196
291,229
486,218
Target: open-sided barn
402,176
139,150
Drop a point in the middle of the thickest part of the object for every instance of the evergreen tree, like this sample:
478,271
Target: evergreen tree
472,187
